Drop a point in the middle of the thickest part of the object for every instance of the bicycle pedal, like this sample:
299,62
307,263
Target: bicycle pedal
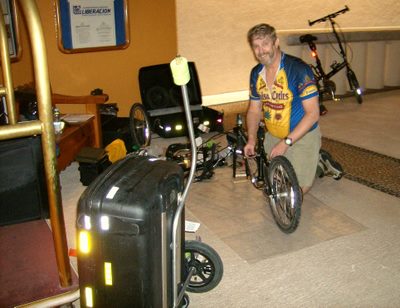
241,174
240,177
240,180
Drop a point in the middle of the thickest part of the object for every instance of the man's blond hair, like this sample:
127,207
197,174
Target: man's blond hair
261,31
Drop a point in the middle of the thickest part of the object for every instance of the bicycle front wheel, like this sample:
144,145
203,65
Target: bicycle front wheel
285,196
139,125
354,85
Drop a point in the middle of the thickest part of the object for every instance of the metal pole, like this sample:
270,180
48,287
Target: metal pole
43,93
182,70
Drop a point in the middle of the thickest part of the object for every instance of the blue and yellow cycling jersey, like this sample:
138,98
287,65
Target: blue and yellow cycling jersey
282,102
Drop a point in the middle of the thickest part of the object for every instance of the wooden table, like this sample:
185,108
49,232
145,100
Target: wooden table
76,136
92,103
72,140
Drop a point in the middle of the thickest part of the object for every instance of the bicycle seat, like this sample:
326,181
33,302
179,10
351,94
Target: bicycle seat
307,38
231,137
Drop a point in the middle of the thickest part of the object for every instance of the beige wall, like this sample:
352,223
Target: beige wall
213,33
152,41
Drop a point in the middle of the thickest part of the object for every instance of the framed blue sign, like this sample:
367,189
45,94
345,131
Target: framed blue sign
92,25
8,7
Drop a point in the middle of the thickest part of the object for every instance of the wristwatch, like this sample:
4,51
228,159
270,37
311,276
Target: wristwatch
288,141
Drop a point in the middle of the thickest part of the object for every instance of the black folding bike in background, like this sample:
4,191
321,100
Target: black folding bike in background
324,83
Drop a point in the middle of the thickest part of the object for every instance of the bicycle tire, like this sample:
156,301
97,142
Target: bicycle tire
329,88
354,85
208,266
139,126
257,178
234,162
285,197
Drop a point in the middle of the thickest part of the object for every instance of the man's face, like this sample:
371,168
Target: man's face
265,49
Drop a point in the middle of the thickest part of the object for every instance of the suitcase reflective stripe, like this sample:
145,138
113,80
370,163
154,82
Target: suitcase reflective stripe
126,218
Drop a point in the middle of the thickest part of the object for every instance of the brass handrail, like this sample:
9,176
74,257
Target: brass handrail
44,126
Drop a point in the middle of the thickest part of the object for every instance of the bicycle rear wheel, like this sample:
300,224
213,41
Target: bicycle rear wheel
285,197
354,85
139,125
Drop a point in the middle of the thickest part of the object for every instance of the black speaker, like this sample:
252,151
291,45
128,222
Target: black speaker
23,192
158,91
116,128
175,124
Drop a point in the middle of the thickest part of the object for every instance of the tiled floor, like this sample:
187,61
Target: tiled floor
345,252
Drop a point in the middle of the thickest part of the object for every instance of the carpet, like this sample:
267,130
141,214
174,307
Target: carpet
366,167
240,216
28,264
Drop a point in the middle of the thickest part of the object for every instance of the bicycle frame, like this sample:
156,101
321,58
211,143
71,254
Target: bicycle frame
327,85
260,156
276,178
336,67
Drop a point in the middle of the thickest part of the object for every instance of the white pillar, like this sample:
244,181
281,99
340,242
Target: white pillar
392,64
294,50
374,77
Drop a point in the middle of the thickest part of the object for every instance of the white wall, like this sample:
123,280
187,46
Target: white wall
212,33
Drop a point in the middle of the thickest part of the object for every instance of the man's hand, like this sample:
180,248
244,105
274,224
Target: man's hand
249,149
279,149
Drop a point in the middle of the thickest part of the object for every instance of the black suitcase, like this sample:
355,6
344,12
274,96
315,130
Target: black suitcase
124,225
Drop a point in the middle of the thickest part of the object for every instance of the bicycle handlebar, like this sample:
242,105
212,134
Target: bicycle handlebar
330,16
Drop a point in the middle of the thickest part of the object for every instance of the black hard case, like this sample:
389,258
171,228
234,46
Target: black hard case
23,191
138,242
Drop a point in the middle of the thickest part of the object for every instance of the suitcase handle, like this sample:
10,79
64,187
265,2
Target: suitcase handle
180,73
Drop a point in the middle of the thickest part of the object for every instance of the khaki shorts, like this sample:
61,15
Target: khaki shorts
303,154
